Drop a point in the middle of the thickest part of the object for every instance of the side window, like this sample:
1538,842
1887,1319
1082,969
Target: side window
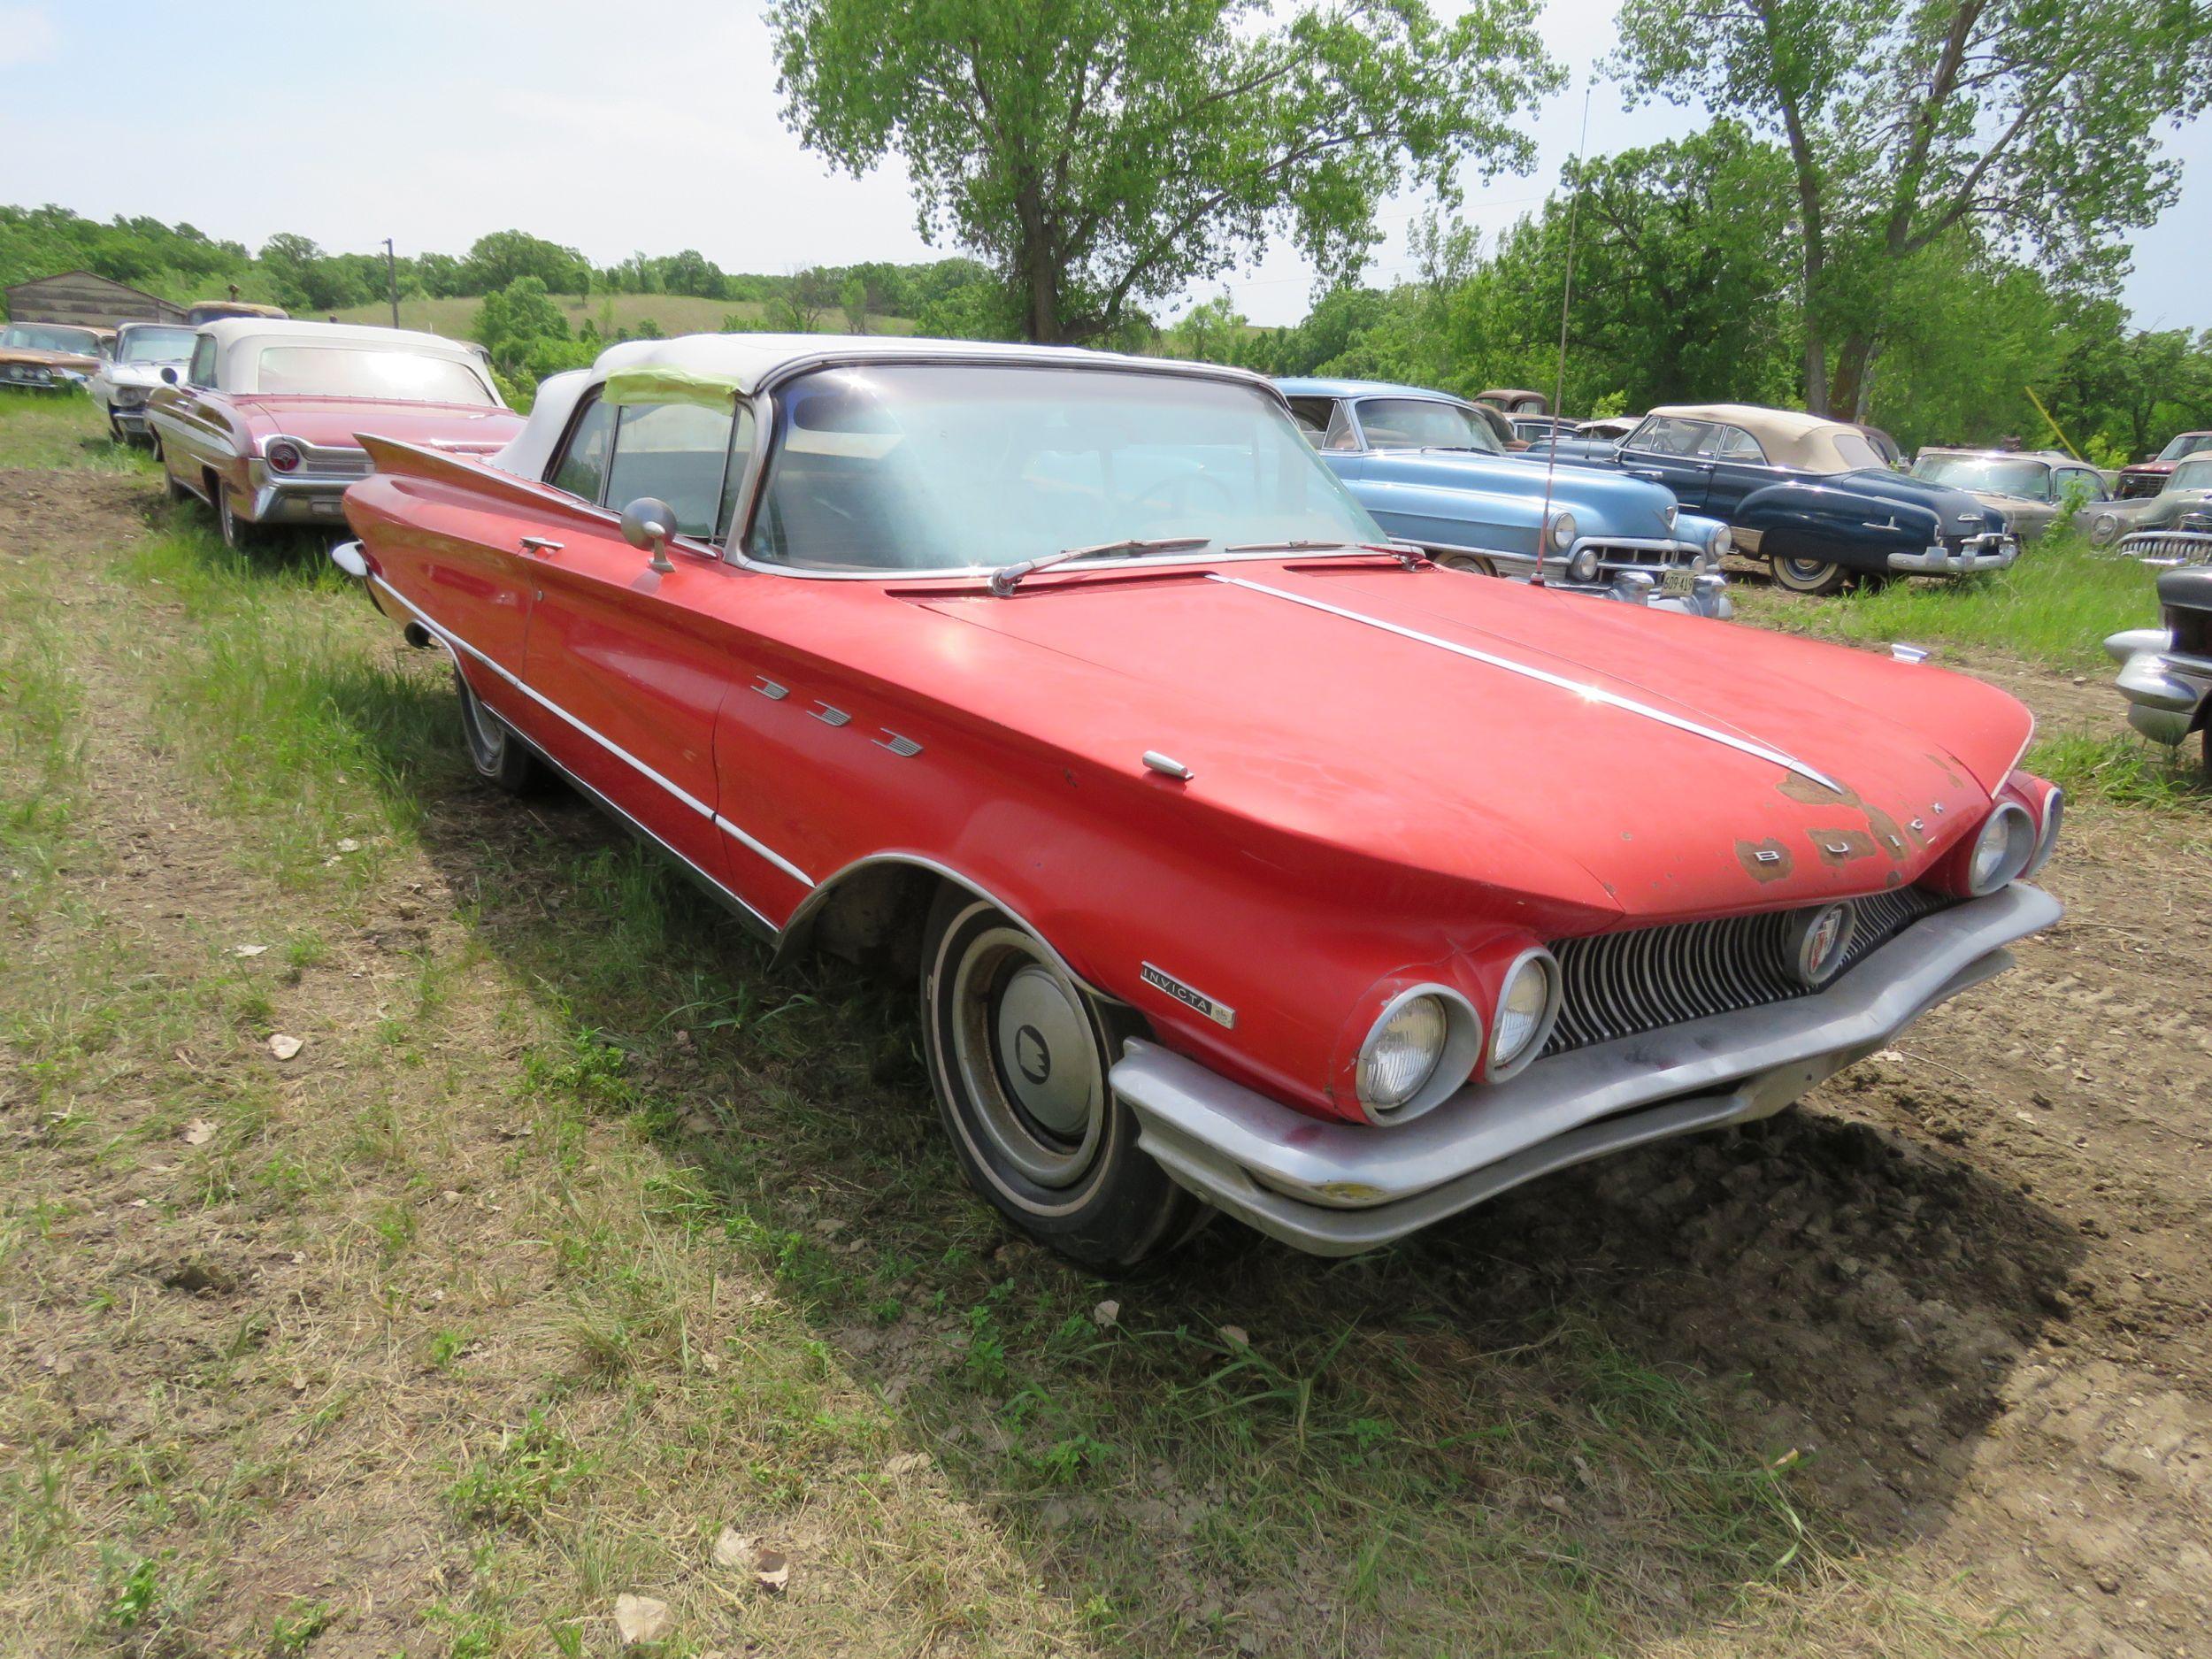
675,451
1312,415
1733,443
1340,434
2081,479
582,466
733,475
203,370
1670,434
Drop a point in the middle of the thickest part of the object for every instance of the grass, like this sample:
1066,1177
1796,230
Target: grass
61,430
670,313
578,1235
2054,606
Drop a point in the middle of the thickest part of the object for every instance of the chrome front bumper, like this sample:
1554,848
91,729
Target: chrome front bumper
1975,553
1339,1188
2164,687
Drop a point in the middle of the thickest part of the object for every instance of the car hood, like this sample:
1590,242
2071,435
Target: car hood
1610,504
1595,760
138,373
47,359
1960,514
2016,509
471,428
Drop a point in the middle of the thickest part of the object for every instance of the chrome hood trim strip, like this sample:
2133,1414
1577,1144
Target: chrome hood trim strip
1529,670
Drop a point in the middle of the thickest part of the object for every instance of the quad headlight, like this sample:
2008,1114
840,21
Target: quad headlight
2002,850
129,396
1401,1052
1528,1003
1561,530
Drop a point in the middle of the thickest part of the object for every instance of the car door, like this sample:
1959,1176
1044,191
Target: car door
195,438
2087,481
1738,466
632,662
1672,450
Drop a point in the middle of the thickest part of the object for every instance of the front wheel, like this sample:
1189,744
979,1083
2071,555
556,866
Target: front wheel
1473,563
498,755
1017,1057
1809,576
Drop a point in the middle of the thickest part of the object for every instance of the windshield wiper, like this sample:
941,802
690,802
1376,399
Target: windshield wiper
1411,557
1009,577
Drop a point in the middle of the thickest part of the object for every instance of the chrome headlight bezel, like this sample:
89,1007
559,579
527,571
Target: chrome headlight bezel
2046,837
2009,834
1582,566
1560,529
293,456
1503,1061
1719,542
1451,1056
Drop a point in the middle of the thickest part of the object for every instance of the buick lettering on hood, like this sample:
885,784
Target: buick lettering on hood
1244,860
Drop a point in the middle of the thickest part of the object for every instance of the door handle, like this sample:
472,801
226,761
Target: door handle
540,544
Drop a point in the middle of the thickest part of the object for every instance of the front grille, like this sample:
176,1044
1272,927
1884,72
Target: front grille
2184,546
2133,486
1616,985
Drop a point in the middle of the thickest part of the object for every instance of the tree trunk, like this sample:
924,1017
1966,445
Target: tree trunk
1815,365
1040,274
1847,394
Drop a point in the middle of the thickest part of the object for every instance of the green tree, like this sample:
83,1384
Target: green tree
1104,154
1906,119
498,259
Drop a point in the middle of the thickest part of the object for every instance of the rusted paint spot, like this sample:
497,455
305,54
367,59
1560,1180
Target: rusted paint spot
1944,766
1802,788
1766,861
1893,878
1841,846
1887,831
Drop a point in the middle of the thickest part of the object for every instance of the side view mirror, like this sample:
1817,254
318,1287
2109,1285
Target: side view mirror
168,374
648,522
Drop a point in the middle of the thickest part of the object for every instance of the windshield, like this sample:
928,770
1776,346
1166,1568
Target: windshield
45,337
2027,478
411,377
154,345
1421,422
2188,443
2192,475
954,466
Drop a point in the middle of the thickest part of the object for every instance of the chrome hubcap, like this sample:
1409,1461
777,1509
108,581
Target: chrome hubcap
1027,1058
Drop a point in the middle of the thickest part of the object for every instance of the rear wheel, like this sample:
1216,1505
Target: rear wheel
497,754
237,531
1809,576
1017,1057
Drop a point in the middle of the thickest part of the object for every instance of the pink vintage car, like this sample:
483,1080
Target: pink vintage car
1244,861
260,423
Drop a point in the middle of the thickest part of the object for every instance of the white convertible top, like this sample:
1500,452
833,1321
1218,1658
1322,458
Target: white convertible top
741,364
1789,437
239,340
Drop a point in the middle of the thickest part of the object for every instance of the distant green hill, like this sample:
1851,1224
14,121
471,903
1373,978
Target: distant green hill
673,313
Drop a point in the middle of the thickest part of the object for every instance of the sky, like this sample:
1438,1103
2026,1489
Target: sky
650,125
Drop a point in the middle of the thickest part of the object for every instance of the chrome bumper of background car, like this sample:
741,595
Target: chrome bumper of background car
1990,552
2164,687
1339,1188
298,500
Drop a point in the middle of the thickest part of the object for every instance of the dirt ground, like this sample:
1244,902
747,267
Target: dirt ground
1968,1281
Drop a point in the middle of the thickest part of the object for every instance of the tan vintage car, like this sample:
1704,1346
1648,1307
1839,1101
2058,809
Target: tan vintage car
47,357
2028,486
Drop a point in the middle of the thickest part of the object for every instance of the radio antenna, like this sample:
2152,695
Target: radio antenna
1559,380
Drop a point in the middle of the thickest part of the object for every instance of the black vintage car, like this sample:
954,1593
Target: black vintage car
2166,673
1811,496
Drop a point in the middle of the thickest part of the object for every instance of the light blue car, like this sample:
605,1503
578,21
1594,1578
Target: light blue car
1433,472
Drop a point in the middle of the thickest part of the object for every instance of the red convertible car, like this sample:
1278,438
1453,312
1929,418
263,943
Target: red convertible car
1245,861
260,423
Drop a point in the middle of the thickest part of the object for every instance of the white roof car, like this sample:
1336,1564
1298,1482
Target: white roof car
240,342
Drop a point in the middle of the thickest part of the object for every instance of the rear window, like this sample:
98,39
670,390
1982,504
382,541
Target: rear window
414,376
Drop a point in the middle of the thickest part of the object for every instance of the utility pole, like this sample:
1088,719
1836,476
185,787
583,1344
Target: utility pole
391,279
